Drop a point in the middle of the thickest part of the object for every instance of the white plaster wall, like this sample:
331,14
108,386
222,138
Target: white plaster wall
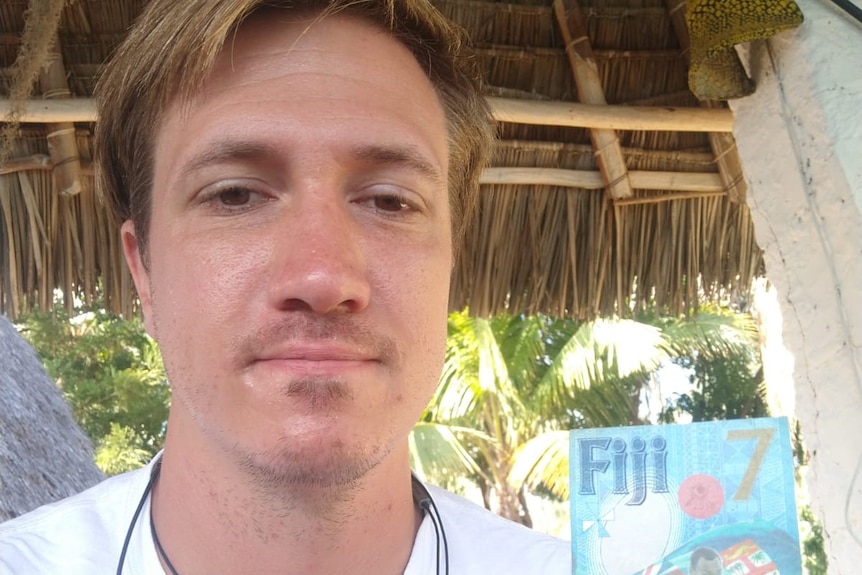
800,139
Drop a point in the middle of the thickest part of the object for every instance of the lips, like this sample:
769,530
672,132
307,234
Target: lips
307,344
317,359
319,352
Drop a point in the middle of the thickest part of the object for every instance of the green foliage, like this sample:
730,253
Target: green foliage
112,375
723,388
814,554
121,451
726,377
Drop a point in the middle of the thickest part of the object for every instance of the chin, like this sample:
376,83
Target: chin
311,466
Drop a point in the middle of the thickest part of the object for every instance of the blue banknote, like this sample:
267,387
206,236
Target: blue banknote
684,499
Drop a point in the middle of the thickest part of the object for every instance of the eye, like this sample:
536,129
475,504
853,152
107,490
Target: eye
390,203
234,196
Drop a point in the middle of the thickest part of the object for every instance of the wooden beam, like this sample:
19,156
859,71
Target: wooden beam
62,143
606,145
510,52
700,158
51,111
592,180
571,114
34,162
667,198
537,112
584,179
723,145
677,181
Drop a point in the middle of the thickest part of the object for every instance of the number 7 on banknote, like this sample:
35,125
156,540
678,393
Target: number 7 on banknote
711,498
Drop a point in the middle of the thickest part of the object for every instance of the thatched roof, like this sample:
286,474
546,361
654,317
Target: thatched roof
44,455
659,214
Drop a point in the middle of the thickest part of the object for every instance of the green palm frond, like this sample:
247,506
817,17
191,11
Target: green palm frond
629,346
441,452
573,368
597,352
543,460
606,404
476,383
456,397
521,340
493,371
712,334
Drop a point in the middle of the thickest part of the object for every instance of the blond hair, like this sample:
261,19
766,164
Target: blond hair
172,48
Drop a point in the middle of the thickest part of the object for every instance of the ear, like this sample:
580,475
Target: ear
140,273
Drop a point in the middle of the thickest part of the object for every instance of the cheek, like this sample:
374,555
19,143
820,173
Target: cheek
198,283
419,290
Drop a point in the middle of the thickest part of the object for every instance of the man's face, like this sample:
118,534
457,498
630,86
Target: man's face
299,250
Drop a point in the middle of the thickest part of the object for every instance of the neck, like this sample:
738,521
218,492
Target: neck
211,517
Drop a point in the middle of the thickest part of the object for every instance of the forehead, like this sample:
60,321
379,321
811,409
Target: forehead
279,32
304,42
281,75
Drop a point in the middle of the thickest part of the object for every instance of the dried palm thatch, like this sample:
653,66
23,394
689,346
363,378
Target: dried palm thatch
578,251
627,217
35,420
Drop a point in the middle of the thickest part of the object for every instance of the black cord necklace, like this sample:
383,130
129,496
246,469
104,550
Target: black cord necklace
157,468
425,501
159,549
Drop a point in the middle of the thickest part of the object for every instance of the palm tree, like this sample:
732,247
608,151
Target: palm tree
513,385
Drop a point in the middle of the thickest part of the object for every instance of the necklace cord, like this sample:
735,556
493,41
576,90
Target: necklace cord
157,466
159,548
426,504
437,520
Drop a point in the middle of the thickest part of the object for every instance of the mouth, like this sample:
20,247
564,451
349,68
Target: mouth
315,360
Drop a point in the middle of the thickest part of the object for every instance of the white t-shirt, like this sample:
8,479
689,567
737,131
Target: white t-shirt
84,535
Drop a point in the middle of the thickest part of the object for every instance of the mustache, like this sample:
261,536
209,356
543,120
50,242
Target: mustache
309,327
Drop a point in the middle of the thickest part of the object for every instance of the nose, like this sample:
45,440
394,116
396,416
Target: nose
319,260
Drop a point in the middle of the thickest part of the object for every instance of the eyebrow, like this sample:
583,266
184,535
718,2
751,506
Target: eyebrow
226,151
405,156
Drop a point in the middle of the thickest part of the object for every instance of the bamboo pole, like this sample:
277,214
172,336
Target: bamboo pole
590,180
549,113
51,111
723,145
62,144
570,114
539,10
667,198
34,162
584,179
509,52
606,145
36,226
12,280
663,155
